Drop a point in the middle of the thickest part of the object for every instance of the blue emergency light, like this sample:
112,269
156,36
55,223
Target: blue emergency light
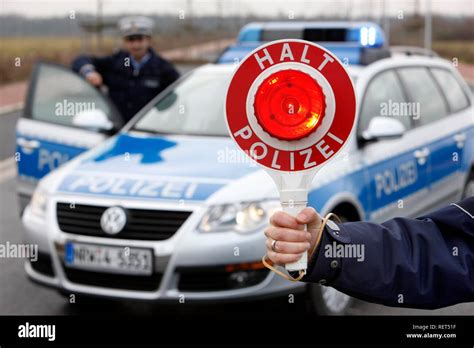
349,41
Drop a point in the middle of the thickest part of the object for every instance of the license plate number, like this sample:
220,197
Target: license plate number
125,260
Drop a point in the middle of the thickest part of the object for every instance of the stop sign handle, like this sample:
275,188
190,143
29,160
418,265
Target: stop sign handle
294,208
291,156
293,188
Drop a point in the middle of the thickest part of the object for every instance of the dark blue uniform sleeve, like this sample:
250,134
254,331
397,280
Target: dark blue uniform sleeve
426,262
84,64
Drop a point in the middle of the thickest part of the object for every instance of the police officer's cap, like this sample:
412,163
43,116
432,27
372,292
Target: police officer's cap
137,25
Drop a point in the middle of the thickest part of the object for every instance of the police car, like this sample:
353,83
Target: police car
167,208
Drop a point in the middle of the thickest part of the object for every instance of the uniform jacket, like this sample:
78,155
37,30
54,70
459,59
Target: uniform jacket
129,88
426,262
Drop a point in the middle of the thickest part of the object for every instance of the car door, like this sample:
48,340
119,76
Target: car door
396,179
449,156
63,116
440,129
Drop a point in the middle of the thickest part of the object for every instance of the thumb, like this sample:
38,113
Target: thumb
311,218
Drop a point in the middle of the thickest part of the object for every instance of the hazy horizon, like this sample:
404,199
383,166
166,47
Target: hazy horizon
296,8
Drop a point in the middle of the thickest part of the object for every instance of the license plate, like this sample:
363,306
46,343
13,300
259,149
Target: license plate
110,259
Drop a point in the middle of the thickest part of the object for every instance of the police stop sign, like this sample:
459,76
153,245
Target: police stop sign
290,105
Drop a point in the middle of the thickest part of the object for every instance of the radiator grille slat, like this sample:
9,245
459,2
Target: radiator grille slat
141,224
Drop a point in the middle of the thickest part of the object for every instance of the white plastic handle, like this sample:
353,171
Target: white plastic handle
294,208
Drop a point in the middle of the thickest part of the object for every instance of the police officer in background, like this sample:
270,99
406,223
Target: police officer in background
426,262
135,74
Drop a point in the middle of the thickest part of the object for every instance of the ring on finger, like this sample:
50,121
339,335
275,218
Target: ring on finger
274,245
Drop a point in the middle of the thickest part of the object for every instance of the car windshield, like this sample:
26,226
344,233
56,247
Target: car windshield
195,106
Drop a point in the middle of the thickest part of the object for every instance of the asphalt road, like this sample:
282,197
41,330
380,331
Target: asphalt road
19,296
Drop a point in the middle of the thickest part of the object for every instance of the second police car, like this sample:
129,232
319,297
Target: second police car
168,208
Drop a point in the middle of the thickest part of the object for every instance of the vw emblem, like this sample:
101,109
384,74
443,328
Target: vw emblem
113,220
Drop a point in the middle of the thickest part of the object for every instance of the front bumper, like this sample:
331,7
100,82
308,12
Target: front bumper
190,265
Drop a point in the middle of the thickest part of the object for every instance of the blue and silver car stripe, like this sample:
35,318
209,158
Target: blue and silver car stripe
366,194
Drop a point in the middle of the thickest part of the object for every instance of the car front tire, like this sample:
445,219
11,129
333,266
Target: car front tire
469,186
325,300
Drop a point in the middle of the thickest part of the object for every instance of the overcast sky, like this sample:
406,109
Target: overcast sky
47,8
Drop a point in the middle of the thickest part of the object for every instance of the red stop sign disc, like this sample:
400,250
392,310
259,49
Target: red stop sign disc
290,105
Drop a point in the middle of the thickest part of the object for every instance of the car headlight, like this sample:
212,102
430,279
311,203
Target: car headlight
38,203
240,217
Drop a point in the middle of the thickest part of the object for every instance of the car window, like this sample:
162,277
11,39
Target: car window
424,93
194,106
451,88
279,34
383,97
60,94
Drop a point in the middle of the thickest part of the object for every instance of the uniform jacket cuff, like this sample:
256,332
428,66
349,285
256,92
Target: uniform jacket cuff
325,263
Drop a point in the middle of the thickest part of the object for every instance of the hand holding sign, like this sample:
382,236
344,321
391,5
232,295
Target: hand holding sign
291,107
285,239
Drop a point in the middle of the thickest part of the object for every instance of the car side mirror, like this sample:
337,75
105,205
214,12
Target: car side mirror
383,127
167,101
93,119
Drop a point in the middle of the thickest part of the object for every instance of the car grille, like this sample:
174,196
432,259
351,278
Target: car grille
141,224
